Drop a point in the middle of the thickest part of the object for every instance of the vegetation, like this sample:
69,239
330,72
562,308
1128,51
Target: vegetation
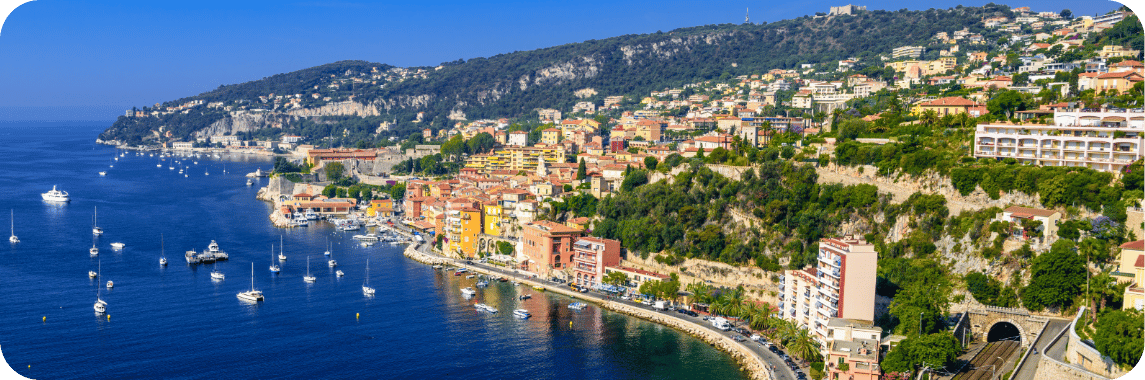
1119,336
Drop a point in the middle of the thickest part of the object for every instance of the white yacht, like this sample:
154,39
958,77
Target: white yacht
213,247
13,239
332,263
485,308
521,313
100,306
92,274
253,295
56,195
273,267
110,284
162,254
118,245
468,292
95,230
101,174
366,289
351,227
339,273
216,275
577,306
281,257
249,182
308,277
309,214
93,250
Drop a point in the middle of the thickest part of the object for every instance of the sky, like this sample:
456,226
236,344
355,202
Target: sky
90,60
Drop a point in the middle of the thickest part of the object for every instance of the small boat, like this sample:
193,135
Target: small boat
95,230
332,263
162,254
301,222
117,245
577,306
521,313
327,253
92,274
56,195
468,292
101,174
13,239
470,276
281,256
110,284
485,308
273,267
249,182
309,214
366,289
339,273
216,275
100,306
525,297
252,295
192,257
308,277
351,227
93,250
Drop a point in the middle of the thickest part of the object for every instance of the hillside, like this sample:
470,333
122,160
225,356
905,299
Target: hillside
515,84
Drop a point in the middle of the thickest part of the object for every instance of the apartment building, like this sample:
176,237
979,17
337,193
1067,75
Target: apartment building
841,285
590,257
461,228
1102,140
548,247
907,51
852,349
516,158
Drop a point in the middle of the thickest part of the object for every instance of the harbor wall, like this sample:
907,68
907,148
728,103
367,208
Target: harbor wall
748,360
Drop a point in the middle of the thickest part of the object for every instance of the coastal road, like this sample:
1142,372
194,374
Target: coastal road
779,369
1030,367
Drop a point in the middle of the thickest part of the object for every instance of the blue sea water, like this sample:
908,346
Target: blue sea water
175,322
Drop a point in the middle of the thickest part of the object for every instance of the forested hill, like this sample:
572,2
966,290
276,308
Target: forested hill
515,84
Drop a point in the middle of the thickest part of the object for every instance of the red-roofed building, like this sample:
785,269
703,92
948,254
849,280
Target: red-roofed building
951,105
591,256
1015,215
548,248
636,277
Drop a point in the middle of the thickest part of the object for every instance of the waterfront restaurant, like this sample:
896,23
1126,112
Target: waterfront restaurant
320,205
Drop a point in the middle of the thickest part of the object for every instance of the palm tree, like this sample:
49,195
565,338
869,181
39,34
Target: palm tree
701,291
803,344
929,117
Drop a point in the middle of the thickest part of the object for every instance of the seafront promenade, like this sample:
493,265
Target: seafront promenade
752,356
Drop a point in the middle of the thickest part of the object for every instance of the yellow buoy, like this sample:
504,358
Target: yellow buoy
357,315
109,317
570,323
45,319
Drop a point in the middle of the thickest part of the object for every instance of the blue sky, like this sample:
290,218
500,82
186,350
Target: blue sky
90,60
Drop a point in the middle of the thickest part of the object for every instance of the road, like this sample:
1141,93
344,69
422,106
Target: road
780,369
1030,367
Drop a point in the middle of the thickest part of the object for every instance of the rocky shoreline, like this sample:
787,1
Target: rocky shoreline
747,360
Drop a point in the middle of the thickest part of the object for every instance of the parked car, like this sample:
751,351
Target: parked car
756,337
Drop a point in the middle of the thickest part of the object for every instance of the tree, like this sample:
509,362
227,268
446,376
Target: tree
803,345
1005,103
398,191
1066,14
334,171
481,143
633,179
616,278
581,171
1118,335
1056,278
649,163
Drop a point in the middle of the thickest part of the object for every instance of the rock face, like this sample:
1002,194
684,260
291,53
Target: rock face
347,108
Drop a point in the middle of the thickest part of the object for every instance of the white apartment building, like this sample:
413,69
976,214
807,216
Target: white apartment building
1101,140
907,51
841,285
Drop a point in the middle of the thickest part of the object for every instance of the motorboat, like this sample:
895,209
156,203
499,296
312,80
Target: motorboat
192,257
468,292
117,245
92,274
216,275
252,295
521,313
352,227
101,174
249,182
56,195
300,222
577,306
332,263
339,273
309,214
162,253
13,239
485,308
308,277
110,284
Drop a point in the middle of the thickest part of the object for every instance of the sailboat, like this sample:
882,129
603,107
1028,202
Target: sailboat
13,239
308,277
162,252
93,251
366,289
253,295
95,230
332,262
281,257
100,306
327,246
273,267
216,275
95,274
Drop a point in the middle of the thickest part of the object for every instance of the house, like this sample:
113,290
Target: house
1128,65
548,247
951,105
1121,81
591,256
852,349
1017,216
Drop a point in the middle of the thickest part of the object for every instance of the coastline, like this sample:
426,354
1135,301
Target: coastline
747,359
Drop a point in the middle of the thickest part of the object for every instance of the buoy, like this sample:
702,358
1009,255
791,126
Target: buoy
357,315
570,323
109,317
45,319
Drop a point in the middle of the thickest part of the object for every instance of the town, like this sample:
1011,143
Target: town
967,209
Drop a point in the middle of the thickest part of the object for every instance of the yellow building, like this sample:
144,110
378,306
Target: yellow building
493,216
381,207
516,158
461,228
550,136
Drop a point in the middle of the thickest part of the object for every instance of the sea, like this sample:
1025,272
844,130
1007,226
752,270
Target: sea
175,322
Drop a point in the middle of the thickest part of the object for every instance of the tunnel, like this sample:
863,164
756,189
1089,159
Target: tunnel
1004,331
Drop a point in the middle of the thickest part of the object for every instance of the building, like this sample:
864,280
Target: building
1015,215
182,145
636,277
516,158
907,51
494,217
550,136
1101,140
841,285
852,349
1129,253
591,256
548,247
518,138
461,229
951,105
291,139
846,10
1134,295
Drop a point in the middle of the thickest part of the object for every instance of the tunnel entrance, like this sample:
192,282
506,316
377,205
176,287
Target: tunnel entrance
1004,331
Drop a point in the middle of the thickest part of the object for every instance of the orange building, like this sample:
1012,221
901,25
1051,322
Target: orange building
548,247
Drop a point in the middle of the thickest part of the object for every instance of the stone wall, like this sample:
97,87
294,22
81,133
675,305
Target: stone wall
756,281
1086,356
1053,369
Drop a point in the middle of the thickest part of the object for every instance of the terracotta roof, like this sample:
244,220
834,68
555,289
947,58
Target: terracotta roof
1140,261
1134,245
1128,64
1020,211
553,227
1119,74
